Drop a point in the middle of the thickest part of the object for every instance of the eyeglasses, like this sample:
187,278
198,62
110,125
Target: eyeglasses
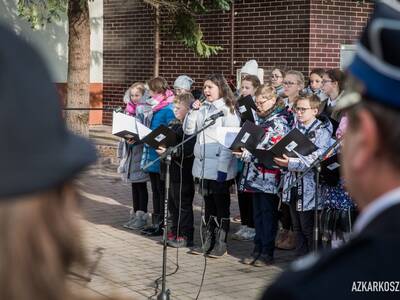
289,83
261,103
326,81
301,109
276,76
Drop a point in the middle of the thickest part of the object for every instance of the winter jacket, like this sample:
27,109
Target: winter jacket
319,132
328,111
320,93
182,161
130,155
257,178
211,156
158,118
129,166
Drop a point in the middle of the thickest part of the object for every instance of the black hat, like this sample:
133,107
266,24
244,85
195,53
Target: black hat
37,152
376,65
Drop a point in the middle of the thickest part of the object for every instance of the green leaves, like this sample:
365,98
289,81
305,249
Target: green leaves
40,12
188,32
186,29
182,14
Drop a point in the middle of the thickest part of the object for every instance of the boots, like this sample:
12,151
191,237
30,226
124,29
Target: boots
221,237
208,231
282,235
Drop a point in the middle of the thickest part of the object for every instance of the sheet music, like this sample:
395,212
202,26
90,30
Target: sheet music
126,123
141,130
122,122
226,135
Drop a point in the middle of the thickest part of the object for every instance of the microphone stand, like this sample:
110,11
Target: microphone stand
167,157
316,166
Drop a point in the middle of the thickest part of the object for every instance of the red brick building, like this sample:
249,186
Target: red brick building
299,34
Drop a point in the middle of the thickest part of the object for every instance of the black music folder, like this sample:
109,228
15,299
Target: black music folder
247,108
128,127
161,136
249,136
265,157
330,170
292,144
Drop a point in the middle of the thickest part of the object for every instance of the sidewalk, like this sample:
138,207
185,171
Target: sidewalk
130,263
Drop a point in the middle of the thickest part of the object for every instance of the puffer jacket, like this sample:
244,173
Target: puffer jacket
158,118
210,155
257,178
319,132
129,166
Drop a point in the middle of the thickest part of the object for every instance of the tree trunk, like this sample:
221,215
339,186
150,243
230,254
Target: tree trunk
78,66
157,41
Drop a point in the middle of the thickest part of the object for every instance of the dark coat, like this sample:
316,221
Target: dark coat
177,164
374,255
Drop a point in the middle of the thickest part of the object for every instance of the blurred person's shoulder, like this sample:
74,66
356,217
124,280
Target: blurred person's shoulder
334,274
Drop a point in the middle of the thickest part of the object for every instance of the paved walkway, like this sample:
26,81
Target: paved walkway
126,263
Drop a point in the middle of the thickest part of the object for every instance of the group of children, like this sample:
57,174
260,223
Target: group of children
280,105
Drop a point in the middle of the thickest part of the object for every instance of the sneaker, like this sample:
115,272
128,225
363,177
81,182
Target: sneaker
237,219
131,220
147,230
248,234
249,260
140,220
179,242
171,236
238,234
263,260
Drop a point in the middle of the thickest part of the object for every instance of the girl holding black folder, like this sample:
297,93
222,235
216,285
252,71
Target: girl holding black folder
161,114
214,164
263,181
246,232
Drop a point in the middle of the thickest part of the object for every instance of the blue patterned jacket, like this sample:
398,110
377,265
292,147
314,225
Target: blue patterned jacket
319,132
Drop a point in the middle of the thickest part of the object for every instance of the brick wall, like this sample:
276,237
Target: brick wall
298,34
333,23
128,48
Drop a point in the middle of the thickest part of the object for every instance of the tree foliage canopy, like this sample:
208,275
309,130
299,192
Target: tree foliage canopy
185,28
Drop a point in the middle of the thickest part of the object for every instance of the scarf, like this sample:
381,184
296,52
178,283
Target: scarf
159,101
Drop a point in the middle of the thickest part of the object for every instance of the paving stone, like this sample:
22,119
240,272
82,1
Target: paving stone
130,263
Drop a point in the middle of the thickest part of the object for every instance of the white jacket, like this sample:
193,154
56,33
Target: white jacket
210,155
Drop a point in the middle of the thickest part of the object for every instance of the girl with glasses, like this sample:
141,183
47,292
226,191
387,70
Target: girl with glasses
293,84
262,181
333,85
277,76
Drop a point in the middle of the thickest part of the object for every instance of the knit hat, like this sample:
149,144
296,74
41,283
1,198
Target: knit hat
37,152
183,82
376,65
250,67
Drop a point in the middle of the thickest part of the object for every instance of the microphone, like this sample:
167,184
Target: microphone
202,98
215,116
